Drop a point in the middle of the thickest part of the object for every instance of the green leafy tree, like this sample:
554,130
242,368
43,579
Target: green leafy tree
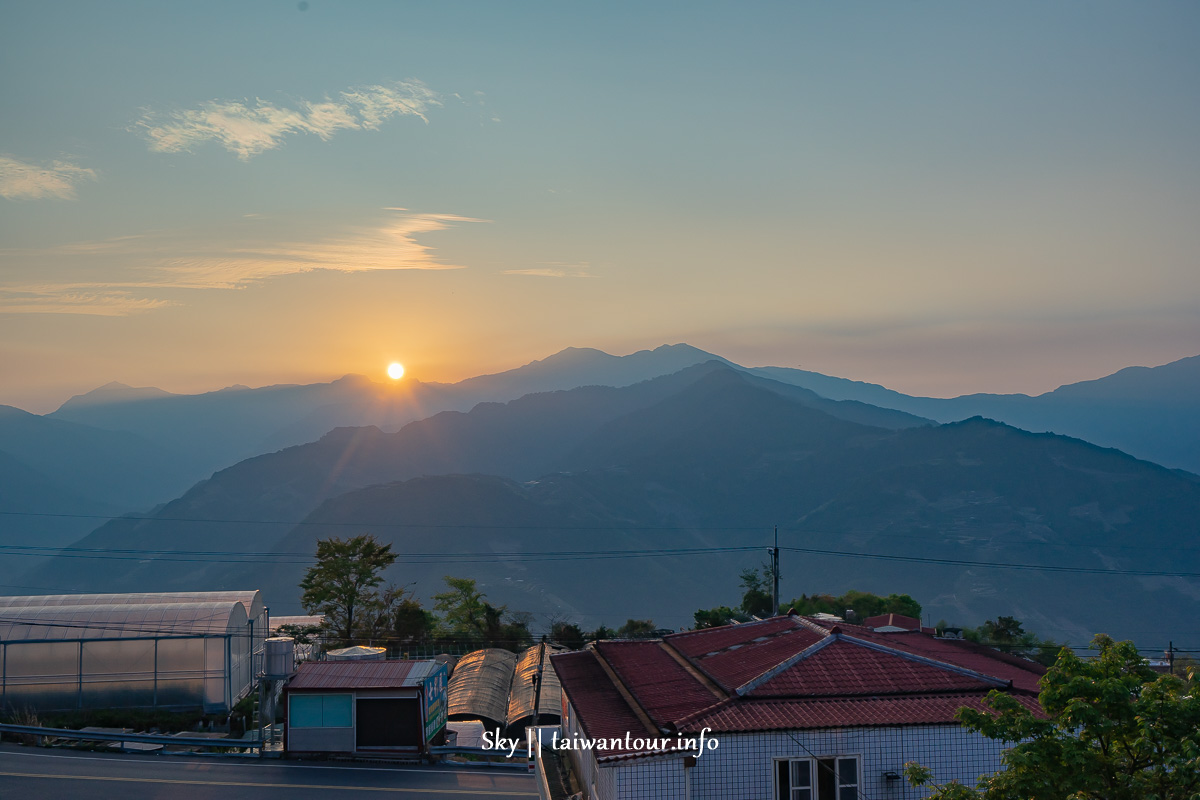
464,613
863,604
601,633
411,623
568,635
1114,730
1008,635
468,617
341,585
716,617
636,629
756,600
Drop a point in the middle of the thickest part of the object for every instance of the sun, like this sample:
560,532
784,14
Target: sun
395,370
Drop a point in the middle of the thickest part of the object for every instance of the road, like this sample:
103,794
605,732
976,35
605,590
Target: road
27,772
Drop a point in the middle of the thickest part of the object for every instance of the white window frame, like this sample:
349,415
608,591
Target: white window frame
812,762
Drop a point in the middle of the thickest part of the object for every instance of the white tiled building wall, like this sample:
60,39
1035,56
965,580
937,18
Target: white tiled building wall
742,766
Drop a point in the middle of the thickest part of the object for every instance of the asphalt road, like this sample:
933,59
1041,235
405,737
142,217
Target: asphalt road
27,772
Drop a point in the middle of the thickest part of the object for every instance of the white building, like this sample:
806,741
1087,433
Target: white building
789,708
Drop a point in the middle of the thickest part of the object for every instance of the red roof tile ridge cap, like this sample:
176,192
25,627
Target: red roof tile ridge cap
703,712
566,687
623,690
933,662
812,626
693,670
787,663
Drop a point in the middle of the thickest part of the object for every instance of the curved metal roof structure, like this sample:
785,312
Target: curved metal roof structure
480,685
524,691
251,600
118,621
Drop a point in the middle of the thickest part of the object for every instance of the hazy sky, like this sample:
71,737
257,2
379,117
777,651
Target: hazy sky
940,197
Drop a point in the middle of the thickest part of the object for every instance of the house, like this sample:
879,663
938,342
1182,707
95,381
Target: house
365,707
788,708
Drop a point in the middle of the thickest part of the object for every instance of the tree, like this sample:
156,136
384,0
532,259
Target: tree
411,623
470,618
636,629
1114,730
567,634
342,582
602,633
756,601
464,614
1007,634
716,617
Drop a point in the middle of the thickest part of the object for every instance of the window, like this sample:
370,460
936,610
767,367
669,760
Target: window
834,778
320,711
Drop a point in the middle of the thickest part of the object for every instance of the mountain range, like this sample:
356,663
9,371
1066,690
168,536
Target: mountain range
711,456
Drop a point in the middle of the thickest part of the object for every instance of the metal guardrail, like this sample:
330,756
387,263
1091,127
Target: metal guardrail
519,761
148,738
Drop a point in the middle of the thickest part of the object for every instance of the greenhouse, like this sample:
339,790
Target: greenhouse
63,652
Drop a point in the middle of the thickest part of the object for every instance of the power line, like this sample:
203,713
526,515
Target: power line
472,557
995,564
352,524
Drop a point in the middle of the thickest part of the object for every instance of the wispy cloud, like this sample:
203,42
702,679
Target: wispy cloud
555,269
247,129
145,266
21,180
85,299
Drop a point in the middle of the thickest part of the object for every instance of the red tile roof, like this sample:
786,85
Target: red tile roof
741,663
1023,674
664,689
710,640
360,674
845,668
793,674
598,705
766,715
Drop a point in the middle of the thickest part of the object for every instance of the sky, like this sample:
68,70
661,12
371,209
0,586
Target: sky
940,197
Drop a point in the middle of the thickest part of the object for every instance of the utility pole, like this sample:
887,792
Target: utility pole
775,574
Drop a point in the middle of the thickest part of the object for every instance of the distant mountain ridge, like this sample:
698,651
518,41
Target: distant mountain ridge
708,457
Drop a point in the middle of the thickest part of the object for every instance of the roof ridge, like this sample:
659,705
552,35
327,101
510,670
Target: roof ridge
623,690
920,659
728,701
786,664
693,670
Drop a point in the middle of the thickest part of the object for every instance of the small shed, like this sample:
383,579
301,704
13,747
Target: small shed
365,707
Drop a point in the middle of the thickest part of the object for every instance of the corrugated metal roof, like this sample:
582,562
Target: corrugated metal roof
480,685
523,690
360,674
